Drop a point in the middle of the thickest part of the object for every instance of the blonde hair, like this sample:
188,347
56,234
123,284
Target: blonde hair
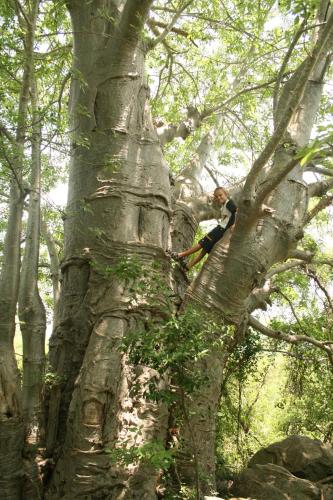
221,189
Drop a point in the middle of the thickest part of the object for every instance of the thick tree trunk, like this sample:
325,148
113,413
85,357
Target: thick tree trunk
116,230
225,283
117,227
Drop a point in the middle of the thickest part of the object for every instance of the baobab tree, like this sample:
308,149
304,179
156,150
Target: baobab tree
110,403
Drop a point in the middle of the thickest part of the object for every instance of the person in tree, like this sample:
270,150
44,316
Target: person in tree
227,220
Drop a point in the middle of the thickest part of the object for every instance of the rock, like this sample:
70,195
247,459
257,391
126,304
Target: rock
302,456
272,482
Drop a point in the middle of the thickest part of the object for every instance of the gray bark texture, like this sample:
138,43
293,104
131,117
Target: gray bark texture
31,308
225,284
118,215
116,233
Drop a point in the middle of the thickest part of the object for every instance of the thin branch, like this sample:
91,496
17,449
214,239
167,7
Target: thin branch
159,24
170,131
291,339
284,267
284,65
324,202
61,91
210,111
209,170
22,11
315,278
4,131
13,170
169,27
287,299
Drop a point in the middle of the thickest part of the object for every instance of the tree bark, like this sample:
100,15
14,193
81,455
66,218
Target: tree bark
224,285
117,227
118,217
31,309
11,419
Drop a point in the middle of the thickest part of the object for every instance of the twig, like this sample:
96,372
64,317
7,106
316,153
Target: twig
169,27
291,339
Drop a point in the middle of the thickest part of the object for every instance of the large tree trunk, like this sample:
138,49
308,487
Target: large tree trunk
115,233
117,227
224,285
11,420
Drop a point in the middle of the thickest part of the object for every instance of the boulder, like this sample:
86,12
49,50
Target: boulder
302,456
263,482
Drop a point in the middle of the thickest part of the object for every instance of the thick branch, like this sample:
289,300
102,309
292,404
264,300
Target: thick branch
324,202
304,72
168,132
133,19
301,254
291,339
284,65
320,188
285,267
319,170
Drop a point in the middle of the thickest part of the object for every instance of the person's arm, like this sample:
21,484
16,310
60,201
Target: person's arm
233,209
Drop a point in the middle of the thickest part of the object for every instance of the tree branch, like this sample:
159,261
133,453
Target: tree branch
319,170
159,24
61,91
315,278
210,111
4,131
324,202
284,267
168,132
284,65
169,27
291,339
320,188
287,299
304,71
301,254
133,19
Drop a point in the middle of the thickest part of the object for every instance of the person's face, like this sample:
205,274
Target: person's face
220,197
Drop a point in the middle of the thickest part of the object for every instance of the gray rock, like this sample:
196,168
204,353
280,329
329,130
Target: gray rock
302,456
272,482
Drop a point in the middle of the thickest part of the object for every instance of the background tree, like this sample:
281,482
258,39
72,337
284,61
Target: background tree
132,355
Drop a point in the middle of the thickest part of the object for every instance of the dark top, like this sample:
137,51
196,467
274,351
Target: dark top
233,209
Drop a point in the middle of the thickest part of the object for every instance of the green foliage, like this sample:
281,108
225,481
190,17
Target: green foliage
249,413
308,406
152,453
172,346
244,357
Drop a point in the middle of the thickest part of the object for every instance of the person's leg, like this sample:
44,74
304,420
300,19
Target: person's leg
196,259
189,251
